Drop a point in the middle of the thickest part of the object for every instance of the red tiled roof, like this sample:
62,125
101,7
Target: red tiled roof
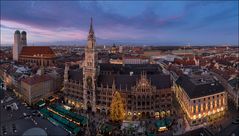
37,50
36,79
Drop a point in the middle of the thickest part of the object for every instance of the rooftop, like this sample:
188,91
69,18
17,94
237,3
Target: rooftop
137,69
199,87
125,76
36,79
45,51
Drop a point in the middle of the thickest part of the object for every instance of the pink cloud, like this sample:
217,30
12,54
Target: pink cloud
35,34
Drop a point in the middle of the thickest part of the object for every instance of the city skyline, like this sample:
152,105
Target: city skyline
122,89
160,23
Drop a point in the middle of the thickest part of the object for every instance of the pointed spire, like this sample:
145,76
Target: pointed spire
91,31
91,26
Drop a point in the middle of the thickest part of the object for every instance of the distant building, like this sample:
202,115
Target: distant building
114,49
202,98
121,49
116,61
41,55
35,88
135,60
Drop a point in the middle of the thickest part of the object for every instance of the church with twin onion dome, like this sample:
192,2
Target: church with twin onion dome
145,89
40,55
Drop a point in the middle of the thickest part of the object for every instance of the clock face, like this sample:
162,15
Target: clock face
89,81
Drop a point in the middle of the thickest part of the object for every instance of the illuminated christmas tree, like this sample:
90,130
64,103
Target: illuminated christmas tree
117,111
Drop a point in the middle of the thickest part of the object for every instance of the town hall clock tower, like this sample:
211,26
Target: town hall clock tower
90,72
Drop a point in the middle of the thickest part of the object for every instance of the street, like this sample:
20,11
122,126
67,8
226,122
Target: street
9,118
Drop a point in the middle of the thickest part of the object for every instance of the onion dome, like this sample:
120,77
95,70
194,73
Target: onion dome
24,33
17,32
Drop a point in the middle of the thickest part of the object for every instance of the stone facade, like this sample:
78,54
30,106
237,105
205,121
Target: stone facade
35,88
203,102
144,87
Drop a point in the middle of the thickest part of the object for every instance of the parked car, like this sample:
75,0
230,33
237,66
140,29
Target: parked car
14,128
34,113
8,107
4,131
26,116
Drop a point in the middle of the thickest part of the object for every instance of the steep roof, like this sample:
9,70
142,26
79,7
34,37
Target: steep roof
36,79
38,51
137,69
199,90
120,74
76,75
160,81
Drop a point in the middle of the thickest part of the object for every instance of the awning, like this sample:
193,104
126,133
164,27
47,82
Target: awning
40,103
163,123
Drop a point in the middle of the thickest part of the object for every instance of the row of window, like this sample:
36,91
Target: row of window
208,98
209,106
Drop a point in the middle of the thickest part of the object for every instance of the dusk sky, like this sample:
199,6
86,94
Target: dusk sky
160,23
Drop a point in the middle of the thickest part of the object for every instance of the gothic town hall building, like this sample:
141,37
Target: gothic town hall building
144,87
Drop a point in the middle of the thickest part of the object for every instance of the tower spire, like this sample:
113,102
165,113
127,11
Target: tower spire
91,25
91,31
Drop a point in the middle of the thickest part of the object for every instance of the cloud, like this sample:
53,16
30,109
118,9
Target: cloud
69,20
46,35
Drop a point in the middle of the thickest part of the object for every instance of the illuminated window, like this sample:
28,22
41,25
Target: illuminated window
204,106
209,105
194,109
199,108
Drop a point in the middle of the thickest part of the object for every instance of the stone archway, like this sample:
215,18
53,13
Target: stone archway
143,115
147,114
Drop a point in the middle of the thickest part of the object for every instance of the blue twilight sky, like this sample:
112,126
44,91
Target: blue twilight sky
154,22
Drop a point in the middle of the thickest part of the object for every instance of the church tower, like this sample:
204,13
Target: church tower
16,45
90,72
20,40
23,38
